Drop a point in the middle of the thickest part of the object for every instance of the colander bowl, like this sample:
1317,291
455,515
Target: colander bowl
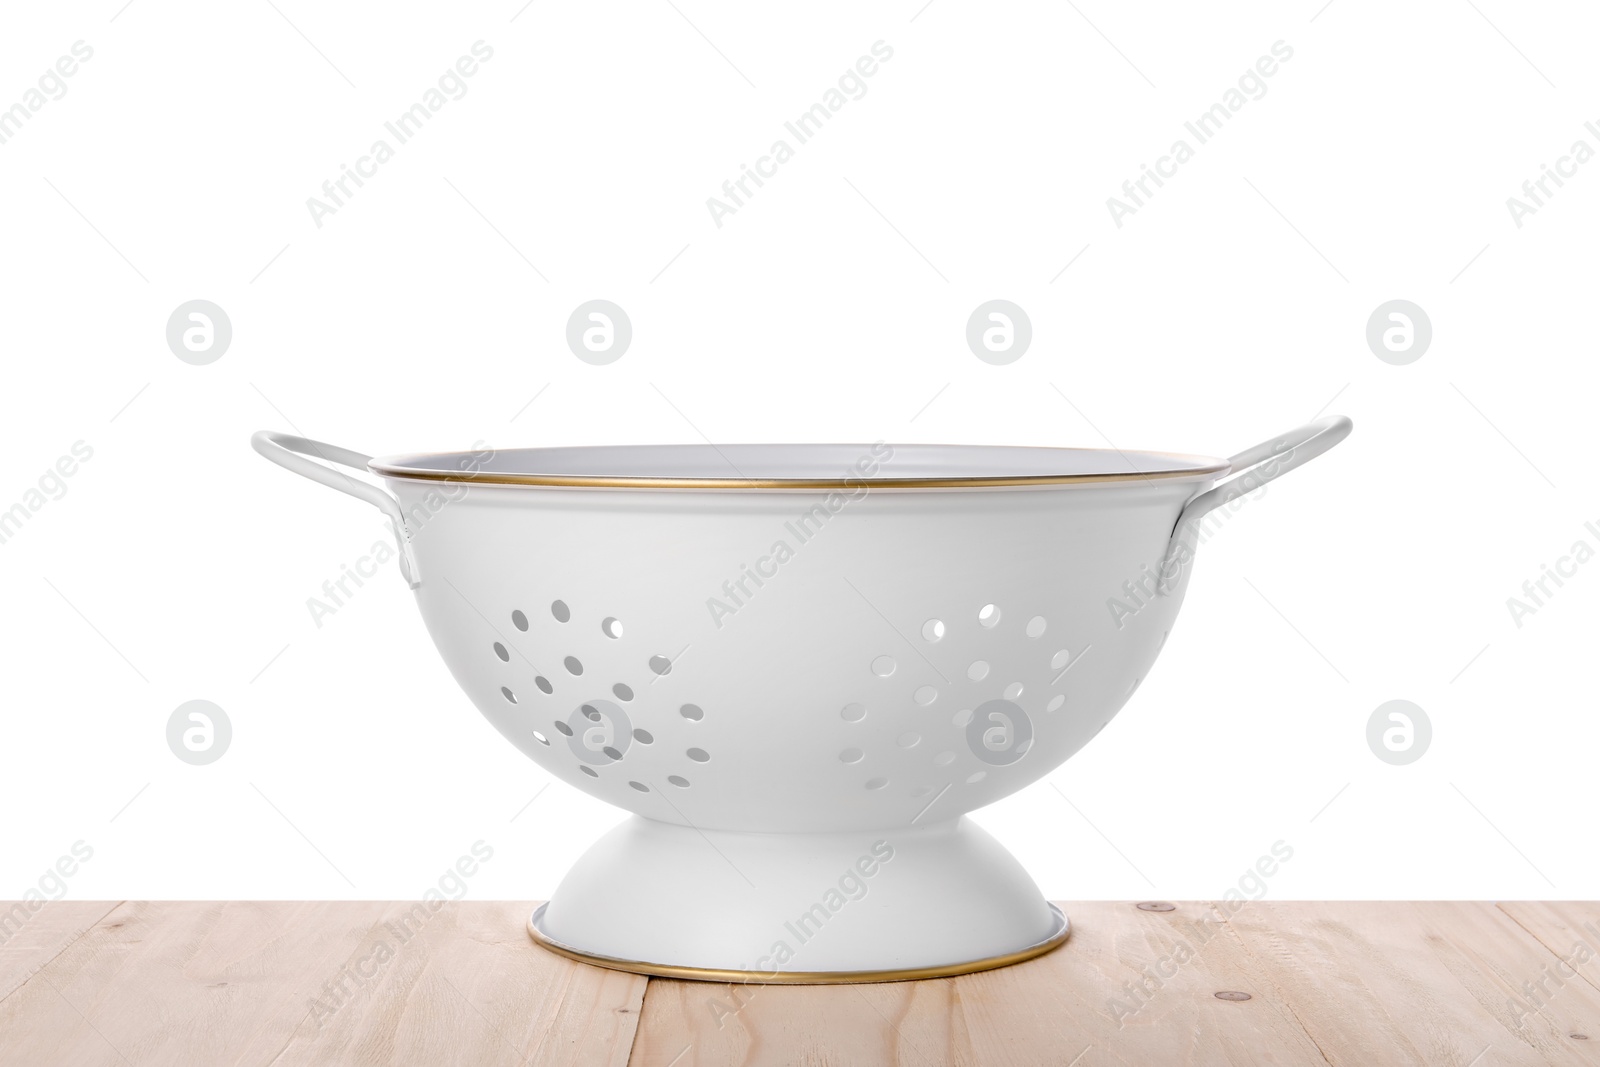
799,667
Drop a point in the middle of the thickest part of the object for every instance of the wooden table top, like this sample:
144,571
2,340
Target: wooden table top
1465,984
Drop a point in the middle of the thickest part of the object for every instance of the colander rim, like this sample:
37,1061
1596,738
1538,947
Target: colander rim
1103,467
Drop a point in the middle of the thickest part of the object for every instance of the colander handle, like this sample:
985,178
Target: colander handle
294,453
1250,470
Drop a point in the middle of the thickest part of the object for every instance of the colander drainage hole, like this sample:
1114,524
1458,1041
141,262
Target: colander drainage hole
877,783
560,610
1013,691
933,631
883,666
978,671
1055,702
921,791
661,664
851,755
622,691
573,665
699,755
925,695
678,780
612,628
508,694
563,728
500,650
692,712
944,759
908,740
1060,659
612,753
640,786
544,685
591,713
1036,626
989,615
976,776
520,621
541,738
590,771
852,713
644,737
961,718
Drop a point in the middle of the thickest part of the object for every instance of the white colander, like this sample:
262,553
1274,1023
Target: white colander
799,666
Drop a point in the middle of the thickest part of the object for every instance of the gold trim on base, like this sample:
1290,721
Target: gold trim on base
717,974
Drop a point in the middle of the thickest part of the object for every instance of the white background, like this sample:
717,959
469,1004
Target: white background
430,310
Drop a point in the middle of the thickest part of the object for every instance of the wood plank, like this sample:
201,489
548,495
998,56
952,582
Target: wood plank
1078,1005
468,986
1408,983
171,982
289,983
1571,931
31,937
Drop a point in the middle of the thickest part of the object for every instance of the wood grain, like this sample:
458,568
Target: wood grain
32,934
1571,932
1407,983
1115,993
1363,984
292,983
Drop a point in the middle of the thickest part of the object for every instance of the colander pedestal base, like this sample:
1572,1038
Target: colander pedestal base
870,905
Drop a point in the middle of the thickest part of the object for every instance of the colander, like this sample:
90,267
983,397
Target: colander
799,667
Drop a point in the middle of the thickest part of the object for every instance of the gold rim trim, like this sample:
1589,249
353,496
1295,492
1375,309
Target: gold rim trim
1204,467
1057,937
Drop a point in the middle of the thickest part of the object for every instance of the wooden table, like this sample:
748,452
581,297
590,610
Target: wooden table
385,983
